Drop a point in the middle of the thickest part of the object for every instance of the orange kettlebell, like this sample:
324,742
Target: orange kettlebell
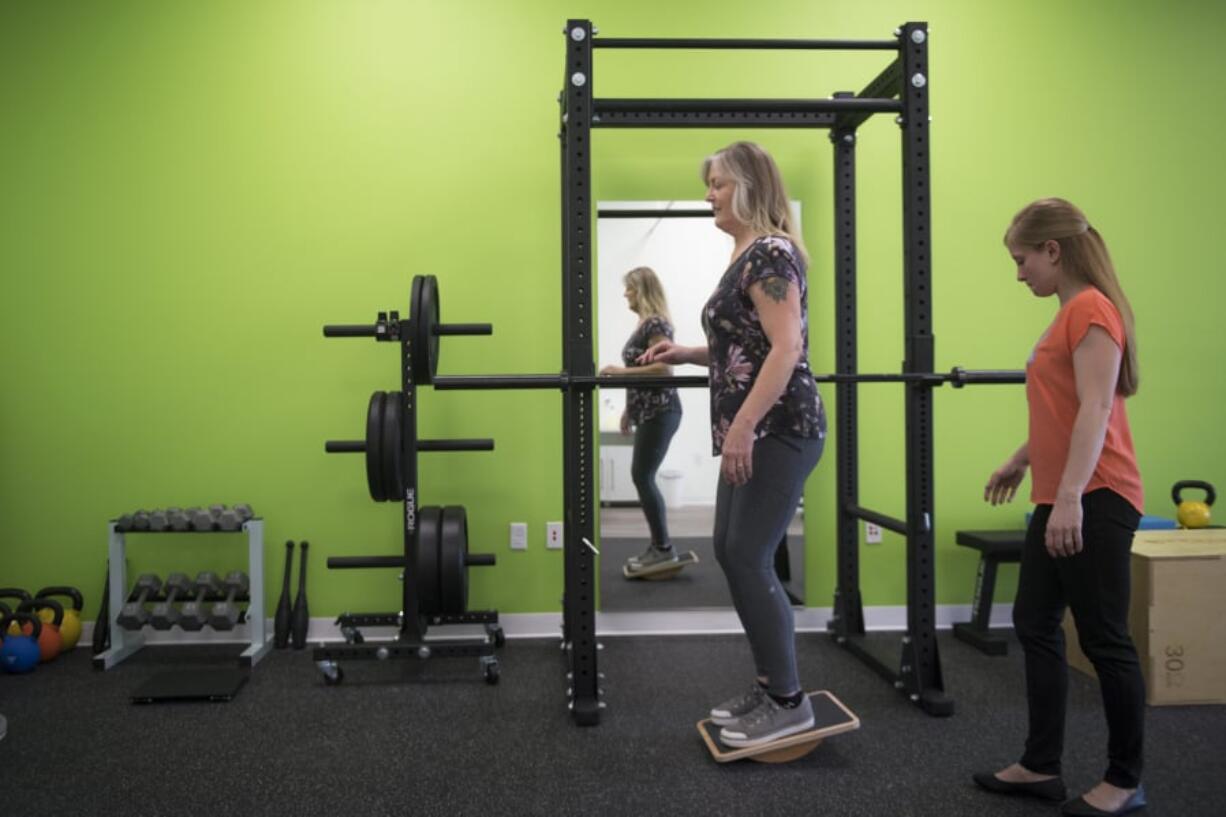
1191,514
50,642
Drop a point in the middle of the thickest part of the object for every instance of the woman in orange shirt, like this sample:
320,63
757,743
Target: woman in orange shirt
1088,501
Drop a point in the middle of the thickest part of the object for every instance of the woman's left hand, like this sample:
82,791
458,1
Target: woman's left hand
610,369
1064,529
736,464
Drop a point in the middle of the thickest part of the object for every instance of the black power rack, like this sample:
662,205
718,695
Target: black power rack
901,90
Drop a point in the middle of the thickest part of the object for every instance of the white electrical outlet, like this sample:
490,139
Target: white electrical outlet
872,533
553,535
519,536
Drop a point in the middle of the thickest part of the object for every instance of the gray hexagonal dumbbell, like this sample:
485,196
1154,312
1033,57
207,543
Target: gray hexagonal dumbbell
192,615
200,519
224,614
165,615
133,616
233,518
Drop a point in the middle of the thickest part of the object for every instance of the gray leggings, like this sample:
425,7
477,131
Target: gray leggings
750,520
651,440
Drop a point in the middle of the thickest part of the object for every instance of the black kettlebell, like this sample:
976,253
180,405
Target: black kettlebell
1189,513
13,593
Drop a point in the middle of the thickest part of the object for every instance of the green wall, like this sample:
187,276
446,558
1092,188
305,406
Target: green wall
191,190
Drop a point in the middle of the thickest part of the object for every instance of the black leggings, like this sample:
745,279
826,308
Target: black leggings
651,439
1096,584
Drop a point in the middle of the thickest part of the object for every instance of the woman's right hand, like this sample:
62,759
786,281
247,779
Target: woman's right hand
1003,484
625,423
664,352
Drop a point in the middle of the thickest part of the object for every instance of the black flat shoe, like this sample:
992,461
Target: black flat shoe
1050,789
1080,808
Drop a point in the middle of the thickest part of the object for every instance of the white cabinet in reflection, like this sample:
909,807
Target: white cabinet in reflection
616,454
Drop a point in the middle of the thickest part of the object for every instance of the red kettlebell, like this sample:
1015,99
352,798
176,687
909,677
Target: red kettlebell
50,642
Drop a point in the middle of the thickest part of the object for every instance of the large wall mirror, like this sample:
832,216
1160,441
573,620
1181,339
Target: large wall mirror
680,243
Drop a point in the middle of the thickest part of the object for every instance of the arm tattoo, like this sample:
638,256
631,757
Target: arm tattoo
776,288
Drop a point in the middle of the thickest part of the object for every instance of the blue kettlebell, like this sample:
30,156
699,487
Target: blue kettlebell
20,652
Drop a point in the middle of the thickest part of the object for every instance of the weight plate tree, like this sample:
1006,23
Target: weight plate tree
434,561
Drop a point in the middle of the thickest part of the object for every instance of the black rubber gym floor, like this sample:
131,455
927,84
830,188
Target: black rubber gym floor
412,739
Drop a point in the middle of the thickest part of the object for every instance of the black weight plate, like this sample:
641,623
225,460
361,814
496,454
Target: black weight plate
419,368
428,524
415,303
453,548
433,318
374,447
425,342
393,482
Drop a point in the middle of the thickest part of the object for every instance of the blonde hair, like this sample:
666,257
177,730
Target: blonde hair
1083,256
759,199
648,292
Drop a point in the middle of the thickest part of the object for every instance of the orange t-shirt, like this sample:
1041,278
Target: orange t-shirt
1051,393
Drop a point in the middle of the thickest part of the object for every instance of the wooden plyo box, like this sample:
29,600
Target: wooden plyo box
1177,616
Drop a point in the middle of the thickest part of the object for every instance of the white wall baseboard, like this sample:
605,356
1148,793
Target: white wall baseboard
703,621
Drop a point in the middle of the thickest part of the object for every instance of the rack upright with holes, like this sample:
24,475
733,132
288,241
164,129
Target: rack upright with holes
901,89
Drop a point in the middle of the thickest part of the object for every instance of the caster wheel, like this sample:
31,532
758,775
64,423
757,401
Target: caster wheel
491,672
332,672
500,638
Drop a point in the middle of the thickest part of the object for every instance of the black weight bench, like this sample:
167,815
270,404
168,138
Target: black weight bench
995,547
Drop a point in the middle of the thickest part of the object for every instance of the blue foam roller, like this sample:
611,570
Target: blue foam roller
1147,522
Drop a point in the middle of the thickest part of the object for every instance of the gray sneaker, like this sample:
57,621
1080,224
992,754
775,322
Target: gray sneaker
769,722
652,557
732,710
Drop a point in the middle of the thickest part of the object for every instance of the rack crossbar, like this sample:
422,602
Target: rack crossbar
887,522
747,106
700,44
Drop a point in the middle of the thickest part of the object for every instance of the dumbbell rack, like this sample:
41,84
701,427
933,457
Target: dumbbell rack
126,642
391,448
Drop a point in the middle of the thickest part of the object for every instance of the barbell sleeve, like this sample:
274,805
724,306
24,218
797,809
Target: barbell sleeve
960,377
365,561
359,446
463,329
351,330
455,445
479,559
505,381
558,381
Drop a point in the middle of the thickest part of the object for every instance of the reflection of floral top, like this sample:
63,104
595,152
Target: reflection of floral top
643,404
738,346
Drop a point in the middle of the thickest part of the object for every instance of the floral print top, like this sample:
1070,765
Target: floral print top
738,346
645,403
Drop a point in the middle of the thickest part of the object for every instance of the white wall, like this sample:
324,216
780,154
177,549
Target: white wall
689,255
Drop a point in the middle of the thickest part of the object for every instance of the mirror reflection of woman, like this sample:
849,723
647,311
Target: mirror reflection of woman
653,414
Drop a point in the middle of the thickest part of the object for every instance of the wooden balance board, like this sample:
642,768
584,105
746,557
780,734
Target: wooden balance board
830,717
664,570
